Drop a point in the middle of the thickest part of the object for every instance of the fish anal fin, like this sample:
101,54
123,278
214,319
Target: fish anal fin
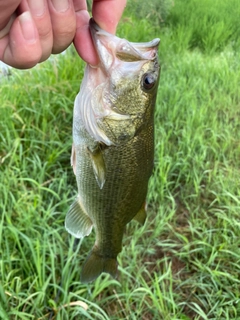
98,163
77,222
95,265
141,215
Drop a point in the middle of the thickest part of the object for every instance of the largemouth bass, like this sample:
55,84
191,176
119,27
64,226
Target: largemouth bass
113,145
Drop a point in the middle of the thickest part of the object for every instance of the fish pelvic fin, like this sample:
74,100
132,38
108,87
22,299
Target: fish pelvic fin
141,215
95,265
77,222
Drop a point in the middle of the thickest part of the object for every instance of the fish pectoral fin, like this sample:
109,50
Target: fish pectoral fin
77,222
95,265
98,163
141,215
73,159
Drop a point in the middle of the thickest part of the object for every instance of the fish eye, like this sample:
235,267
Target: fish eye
148,81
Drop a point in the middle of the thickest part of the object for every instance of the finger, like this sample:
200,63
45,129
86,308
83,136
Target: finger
7,8
6,29
63,21
41,16
107,13
21,48
82,40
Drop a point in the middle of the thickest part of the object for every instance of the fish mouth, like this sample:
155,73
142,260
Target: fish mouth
109,47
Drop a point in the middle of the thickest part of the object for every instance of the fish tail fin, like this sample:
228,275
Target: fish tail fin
95,265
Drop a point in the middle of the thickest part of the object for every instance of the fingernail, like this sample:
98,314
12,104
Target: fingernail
37,7
60,5
27,25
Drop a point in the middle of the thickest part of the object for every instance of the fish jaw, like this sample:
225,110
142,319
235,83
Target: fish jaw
109,47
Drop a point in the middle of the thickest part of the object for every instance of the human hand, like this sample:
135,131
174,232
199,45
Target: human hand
106,14
31,30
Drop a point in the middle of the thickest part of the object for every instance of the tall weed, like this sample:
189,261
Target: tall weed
154,10
208,24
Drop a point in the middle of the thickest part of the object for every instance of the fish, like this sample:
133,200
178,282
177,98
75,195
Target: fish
113,146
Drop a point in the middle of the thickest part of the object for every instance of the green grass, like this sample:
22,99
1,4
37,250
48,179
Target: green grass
208,25
185,262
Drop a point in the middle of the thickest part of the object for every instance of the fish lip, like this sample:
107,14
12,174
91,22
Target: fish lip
96,31
146,45
94,27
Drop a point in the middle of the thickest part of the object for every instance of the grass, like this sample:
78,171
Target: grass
208,25
185,262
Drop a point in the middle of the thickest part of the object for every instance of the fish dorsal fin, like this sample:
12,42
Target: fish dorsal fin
98,163
141,215
77,222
